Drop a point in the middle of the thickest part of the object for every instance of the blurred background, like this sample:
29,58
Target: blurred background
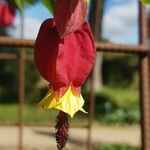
116,122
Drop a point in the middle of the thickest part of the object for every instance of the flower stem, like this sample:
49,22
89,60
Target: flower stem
62,128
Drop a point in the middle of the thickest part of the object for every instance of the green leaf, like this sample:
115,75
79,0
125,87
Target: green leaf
49,4
30,1
145,1
19,4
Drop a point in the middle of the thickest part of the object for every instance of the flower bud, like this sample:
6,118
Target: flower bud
69,15
7,14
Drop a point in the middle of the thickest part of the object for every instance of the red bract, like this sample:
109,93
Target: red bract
67,61
69,15
7,14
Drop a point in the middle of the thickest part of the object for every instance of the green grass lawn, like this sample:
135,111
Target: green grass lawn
8,113
122,97
34,115
113,105
115,147
117,105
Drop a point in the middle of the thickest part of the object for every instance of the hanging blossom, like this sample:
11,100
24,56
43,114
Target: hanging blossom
64,56
7,14
65,63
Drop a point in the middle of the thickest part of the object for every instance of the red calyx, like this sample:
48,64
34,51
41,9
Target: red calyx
64,62
69,15
7,14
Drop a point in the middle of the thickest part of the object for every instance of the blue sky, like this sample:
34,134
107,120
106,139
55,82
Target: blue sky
37,11
111,3
119,21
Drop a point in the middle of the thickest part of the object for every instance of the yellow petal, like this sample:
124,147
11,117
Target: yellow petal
88,1
69,103
49,101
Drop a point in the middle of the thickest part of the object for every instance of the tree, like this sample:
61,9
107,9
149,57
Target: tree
95,19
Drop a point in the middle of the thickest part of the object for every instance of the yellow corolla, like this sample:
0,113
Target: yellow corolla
69,103
88,1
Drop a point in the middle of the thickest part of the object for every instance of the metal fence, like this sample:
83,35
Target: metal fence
142,50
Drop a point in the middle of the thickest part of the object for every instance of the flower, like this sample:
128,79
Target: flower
7,14
65,64
69,15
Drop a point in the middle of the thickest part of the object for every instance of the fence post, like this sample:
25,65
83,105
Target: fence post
95,21
21,95
21,90
144,81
